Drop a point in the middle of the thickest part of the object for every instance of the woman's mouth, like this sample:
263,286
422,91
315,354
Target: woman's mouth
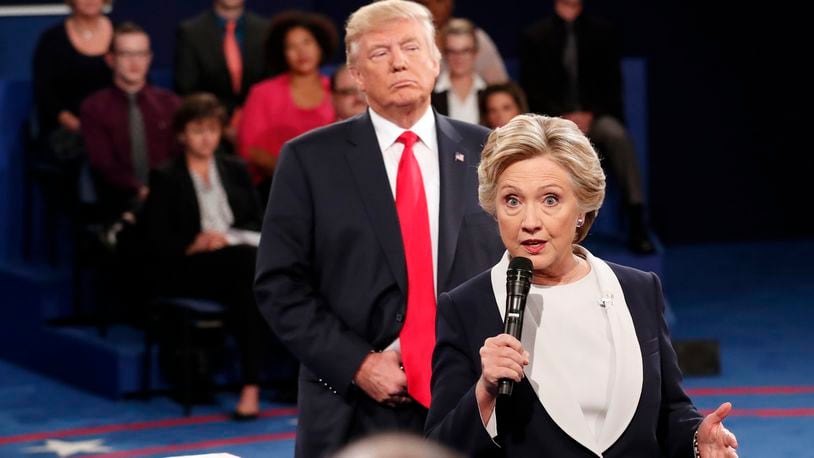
533,246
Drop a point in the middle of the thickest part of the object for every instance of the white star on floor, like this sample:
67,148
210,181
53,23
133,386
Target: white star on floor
65,448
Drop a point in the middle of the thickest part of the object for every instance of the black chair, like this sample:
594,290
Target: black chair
191,334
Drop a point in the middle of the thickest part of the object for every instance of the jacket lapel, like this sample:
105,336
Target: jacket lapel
628,379
453,162
212,46
367,167
547,380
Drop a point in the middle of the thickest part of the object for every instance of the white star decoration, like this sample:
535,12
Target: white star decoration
65,448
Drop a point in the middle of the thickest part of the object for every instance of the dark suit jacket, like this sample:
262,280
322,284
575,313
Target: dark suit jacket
172,218
200,65
664,421
543,75
331,274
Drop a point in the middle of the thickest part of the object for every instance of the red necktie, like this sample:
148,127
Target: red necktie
418,334
231,51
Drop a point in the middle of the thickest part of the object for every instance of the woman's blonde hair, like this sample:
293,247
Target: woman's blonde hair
375,15
528,136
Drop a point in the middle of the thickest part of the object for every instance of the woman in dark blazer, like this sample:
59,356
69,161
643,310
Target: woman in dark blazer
594,371
201,223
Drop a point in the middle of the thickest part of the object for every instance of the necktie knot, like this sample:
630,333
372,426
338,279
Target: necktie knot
408,138
231,25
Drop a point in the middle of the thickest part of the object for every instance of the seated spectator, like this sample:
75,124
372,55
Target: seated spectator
488,62
221,51
200,228
69,65
296,100
499,103
458,85
127,127
570,66
348,100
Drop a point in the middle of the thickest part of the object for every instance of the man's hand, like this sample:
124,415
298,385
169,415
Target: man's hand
68,120
381,377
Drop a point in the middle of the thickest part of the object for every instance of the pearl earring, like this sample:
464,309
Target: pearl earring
580,222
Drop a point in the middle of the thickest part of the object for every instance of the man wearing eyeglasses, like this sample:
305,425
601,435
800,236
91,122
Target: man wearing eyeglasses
127,127
347,99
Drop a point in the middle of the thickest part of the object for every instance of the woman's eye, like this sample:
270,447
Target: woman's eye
512,201
550,200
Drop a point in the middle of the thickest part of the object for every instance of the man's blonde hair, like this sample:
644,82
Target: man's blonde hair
375,15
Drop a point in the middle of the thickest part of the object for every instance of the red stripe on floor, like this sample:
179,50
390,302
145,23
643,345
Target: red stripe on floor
802,412
167,423
196,445
750,390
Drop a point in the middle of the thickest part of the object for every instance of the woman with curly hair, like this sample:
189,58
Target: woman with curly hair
296,99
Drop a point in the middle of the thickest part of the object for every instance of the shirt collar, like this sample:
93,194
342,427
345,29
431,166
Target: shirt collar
222,22
387,132
443,83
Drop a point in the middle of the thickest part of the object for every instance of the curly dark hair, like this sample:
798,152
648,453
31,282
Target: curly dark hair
320,26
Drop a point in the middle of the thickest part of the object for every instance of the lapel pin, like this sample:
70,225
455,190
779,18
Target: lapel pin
459,157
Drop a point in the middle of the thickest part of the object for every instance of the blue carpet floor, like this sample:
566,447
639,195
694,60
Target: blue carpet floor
755,299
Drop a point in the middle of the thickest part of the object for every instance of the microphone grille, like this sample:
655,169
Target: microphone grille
520,263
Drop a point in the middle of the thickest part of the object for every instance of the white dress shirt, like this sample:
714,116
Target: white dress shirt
426,153
465,109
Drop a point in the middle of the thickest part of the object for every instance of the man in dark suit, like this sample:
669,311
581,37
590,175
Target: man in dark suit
221,51
570,67
347,277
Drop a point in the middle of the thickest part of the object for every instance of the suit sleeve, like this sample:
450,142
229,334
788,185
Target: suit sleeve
286,282
678,418
532,76
609,98
47,93
186,73
454,417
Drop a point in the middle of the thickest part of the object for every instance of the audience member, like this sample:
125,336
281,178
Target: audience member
499,103
488,62
594,373
294,101
395,445
69,65
348,100
200,227
221,51
367,220
458,85
127,127
570,66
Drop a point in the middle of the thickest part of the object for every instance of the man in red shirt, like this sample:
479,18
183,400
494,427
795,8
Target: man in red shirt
127,128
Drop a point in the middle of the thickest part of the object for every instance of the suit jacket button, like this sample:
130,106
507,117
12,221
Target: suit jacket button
399,317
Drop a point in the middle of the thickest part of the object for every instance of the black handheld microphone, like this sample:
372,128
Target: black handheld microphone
518,282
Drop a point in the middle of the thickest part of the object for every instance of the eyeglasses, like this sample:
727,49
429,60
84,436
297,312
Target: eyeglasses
134,54
459,52
347,91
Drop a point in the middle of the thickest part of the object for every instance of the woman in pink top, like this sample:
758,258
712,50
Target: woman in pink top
294,101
